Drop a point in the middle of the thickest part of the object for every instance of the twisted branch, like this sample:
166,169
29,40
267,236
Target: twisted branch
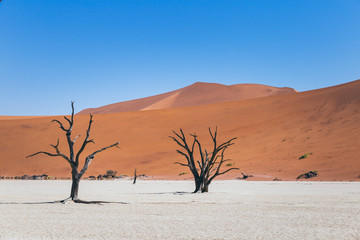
90,157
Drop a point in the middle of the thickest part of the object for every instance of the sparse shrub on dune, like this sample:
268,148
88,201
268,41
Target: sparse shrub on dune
307,175
305,155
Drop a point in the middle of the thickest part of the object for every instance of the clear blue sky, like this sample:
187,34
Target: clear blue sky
102,52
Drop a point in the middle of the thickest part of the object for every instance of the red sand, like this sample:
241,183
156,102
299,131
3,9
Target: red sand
273,132
194,95
18,117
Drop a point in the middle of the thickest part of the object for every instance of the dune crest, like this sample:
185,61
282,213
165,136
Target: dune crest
167,102
199,93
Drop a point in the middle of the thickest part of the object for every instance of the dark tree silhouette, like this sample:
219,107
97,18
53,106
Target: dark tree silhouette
135,176
208,167
73,159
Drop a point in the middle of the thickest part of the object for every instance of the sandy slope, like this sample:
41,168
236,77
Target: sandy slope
273,132
18,117
156,210
196,94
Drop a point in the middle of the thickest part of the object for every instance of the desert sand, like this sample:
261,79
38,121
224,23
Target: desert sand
273,132
17,117
199,93
166,210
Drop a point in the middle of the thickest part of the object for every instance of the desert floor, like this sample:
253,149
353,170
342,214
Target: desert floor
167,210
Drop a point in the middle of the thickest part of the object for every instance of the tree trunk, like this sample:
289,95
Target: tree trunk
75,185
198,183
209,161
135,176
205,188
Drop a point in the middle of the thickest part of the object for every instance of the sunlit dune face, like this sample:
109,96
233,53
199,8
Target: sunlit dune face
273,133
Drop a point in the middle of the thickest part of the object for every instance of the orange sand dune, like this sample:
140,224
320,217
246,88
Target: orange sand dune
18,117
273,132
196,94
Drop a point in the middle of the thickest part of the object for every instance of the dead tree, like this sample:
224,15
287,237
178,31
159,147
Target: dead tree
207,168
73,159
245,176
135,176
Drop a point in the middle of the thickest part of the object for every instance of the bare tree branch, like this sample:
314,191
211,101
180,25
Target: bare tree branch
74,161
90,157
68,120
186,156
56,147
177,134
61,125
50,154
227,144
72,111
86,141
200,166
185,165
71,122
209,163
230,169
102,149
189,156
180,144
75,138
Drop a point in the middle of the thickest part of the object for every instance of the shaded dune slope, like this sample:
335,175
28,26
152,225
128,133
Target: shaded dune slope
196,94
273,132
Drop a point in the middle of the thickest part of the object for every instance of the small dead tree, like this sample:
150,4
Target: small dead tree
135,176
209,164
73,159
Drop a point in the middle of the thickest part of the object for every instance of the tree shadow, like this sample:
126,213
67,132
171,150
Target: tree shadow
173,193
64,202
97,202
